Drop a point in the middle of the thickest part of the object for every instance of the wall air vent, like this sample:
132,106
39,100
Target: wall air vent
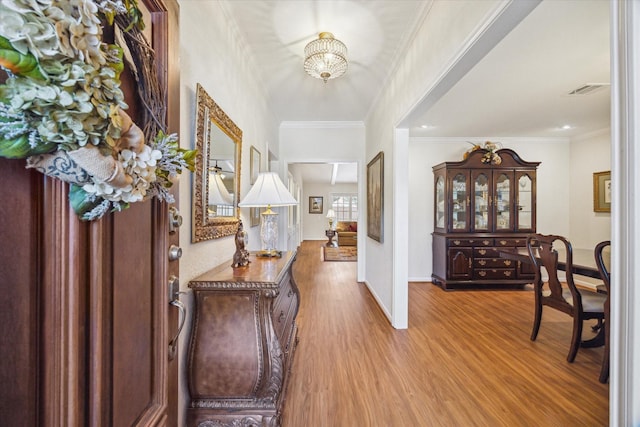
588,88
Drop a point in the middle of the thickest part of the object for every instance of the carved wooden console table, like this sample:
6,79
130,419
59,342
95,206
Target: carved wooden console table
242,341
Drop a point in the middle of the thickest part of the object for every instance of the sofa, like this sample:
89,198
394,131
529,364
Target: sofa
347,233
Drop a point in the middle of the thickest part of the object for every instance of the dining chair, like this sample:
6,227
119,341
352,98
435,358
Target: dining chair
604,274
562,295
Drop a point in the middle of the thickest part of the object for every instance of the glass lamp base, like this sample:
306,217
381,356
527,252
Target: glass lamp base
269,232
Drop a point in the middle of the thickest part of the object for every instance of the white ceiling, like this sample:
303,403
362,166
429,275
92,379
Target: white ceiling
277,31
324,173
519,89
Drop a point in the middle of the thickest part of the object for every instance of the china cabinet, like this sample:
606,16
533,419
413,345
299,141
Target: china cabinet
482,204
242,341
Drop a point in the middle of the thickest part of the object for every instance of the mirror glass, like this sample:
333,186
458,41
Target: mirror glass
216,189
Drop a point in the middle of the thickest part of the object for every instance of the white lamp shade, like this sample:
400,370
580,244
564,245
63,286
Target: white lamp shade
268,190
218,194
331,214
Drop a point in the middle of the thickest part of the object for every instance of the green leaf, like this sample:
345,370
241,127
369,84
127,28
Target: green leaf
19,148
19,64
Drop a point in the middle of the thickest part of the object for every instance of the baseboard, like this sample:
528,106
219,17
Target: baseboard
379,302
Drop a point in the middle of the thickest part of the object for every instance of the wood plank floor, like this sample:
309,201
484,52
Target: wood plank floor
466,359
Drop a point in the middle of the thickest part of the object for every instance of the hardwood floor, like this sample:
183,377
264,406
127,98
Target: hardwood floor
466,359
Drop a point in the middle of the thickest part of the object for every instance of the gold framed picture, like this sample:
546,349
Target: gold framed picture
315,205
602,191
254,165
375,197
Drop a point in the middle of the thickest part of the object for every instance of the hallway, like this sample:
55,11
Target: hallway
466,359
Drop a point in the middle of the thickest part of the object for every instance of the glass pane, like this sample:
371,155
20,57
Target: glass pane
440,202
481,202
345,206
503,202
525,203
459,202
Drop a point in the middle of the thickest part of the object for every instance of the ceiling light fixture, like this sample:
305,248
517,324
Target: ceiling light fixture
325,58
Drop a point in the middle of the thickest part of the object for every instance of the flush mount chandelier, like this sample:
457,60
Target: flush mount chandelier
325,58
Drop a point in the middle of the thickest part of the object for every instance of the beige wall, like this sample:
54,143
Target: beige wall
589,154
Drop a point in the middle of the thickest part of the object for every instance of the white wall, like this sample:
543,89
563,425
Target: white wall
439,42
553,200
314,225
590,153
212,54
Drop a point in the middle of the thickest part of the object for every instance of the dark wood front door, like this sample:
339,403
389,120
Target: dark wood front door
85,318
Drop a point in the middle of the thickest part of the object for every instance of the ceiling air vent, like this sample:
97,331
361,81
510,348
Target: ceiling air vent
588,88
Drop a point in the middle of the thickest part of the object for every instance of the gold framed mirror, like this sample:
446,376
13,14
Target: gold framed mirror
216,181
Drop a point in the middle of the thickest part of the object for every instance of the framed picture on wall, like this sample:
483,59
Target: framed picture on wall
602,191
315,205
254,165
375,194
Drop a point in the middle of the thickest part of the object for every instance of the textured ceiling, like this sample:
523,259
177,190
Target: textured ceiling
277,32
519,89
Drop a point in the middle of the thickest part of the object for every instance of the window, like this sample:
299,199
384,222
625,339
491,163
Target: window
345,205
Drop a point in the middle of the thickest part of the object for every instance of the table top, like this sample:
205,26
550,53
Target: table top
584,262
262,272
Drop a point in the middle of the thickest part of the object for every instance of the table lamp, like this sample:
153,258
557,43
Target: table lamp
331,215
268,190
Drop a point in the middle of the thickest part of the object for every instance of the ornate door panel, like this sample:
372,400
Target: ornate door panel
85,318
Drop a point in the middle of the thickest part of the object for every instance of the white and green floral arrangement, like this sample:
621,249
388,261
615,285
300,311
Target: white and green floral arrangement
62,109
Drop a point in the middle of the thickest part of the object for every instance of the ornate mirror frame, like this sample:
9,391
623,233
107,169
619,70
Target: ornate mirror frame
203,225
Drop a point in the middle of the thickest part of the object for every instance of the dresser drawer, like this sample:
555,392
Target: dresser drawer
494,273
283,310
493,263
486,252
285,296
470,242
519,243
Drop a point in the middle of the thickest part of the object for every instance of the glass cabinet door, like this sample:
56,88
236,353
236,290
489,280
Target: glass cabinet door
502,202
481,201
524,200
440,201
459,203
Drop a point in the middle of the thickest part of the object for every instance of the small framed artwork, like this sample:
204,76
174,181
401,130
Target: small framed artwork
254,168
254,214
602,191
375,194
315,205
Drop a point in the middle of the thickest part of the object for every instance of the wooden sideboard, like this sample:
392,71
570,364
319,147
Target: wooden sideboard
243,338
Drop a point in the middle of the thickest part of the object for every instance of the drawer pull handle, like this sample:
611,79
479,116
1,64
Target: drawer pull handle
507,273
503,242
482,262
507,262
485,242
482,251
482,273
456,242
